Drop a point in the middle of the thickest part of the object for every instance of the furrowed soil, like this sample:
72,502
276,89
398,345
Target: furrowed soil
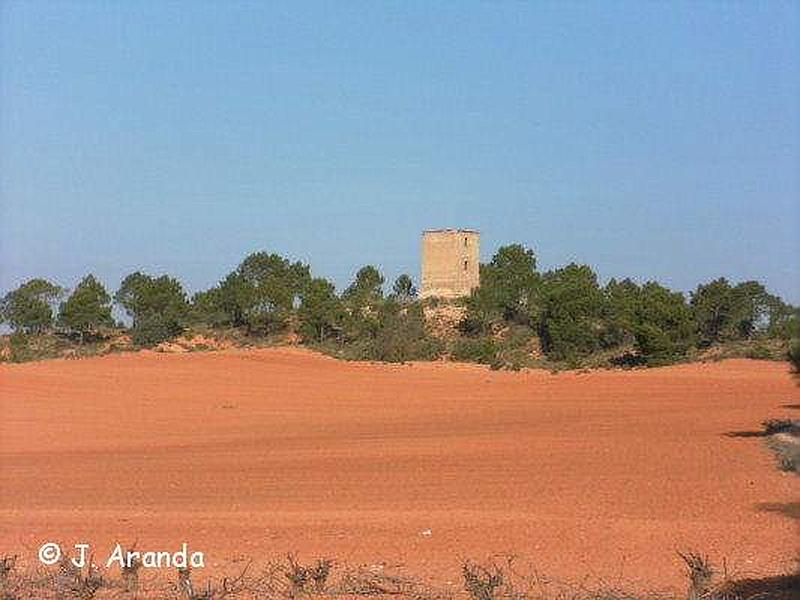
254,453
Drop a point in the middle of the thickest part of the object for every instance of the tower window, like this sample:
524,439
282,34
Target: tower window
465,265
465,242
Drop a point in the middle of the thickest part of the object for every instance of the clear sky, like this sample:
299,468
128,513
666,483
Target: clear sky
652,140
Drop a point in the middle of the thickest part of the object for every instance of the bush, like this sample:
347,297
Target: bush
759,352
21,347
481,582
387,332
482,350
655,345
401,335
773,426
794,355
514,349
25,347
155,329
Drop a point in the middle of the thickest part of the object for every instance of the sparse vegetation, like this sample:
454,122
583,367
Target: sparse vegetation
480,350
794,355
482,582
289,579
783,438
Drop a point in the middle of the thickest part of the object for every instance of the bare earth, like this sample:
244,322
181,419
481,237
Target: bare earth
259,452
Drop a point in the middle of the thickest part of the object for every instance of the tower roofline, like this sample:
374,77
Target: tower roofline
449,230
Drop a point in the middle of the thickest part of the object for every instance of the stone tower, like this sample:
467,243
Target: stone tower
449,262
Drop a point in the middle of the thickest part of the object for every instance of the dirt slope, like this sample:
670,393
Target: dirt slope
259,452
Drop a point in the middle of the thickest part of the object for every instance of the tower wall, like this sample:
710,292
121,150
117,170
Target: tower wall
450,263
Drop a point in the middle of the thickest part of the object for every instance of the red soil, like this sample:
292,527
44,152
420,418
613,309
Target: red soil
259,452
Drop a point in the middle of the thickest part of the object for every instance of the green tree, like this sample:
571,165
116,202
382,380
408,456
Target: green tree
620,312
714,306
208,307
236,299
403,290
227,304
29,308
752,309
363,299
783,320
508,291
263,291
157,306
321,312
511,279
87,309
724,312
130,293
663,324
366,290
261,294
572,306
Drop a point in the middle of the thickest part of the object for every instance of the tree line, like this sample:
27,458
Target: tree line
565,310
573,316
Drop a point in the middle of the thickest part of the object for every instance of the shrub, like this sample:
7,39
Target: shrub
514,349
759,352
480,350
783,438
480,582
388,332
773,426
305,579
25,347
401,335
154,329
794,355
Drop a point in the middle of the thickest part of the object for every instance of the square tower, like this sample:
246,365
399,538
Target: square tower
450,267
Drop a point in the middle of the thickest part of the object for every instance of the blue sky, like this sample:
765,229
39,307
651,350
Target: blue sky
652,140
